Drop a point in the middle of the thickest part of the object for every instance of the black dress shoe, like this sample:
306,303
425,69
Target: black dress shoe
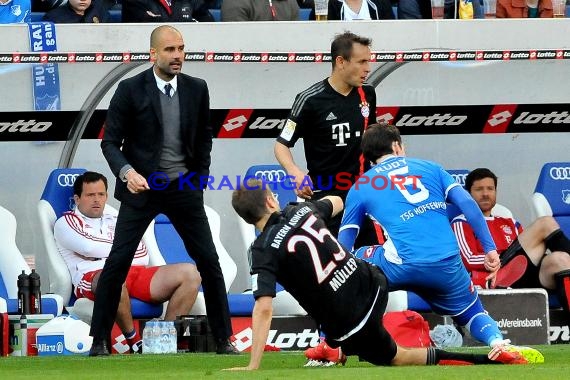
137,347
99,348
225,347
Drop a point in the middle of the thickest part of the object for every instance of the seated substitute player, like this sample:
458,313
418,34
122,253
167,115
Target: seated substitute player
421,252
84,237
345,295
525,262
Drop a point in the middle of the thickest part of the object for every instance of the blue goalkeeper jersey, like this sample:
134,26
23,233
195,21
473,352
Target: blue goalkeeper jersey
407,197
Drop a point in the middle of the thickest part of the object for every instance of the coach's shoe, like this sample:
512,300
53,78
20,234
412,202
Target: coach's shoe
99,348
225,347
324,355
137,347
532,355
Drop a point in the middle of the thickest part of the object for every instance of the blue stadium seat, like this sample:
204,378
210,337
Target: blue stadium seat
56,199
36,16
552,193
276,178
116,15
217,14
459,176
304,14
172,249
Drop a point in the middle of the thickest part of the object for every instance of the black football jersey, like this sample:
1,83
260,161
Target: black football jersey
331,126
296,250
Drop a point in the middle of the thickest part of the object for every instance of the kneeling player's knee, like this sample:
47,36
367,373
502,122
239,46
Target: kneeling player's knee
468,314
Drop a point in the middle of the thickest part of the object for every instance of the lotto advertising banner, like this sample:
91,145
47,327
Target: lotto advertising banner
291,56
267,123
286,333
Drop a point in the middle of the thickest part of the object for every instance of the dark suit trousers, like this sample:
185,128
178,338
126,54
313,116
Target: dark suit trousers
185,209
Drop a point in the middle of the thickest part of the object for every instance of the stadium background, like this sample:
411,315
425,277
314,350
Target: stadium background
473,92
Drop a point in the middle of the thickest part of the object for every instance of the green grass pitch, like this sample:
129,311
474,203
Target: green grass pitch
275,365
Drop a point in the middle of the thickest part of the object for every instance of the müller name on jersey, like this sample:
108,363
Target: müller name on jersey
342,274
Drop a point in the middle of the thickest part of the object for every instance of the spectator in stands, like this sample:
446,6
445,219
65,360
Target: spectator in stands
79,11
524,258
260,10
453,11
524,8
349,10
166,11
414,9
84,237
345,295
46,5
15,11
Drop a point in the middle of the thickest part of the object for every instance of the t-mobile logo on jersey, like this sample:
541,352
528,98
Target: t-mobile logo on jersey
341,133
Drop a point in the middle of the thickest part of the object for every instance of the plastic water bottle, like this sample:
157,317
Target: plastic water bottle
173,338
35,293
164,337
155,339
23,293
147,337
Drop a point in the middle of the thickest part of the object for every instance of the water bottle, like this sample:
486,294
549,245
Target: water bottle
23,293
173,338
35,293
155,339
147,337
164,337
24,334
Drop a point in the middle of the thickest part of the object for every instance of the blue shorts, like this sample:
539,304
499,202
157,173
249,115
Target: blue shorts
445,286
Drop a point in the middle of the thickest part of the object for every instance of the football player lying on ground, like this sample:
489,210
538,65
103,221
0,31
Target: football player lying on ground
345,295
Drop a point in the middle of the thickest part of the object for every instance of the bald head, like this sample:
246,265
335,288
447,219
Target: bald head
159,32
167,51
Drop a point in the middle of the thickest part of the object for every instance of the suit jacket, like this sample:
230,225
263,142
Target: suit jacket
134,131
180,11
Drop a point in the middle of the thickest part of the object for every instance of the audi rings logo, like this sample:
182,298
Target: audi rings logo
66,180
271,175
560,173
459,178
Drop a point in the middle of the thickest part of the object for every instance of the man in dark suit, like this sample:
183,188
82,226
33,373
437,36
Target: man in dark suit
157,142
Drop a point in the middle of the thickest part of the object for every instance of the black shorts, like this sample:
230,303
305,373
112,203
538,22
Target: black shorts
530,278
372,342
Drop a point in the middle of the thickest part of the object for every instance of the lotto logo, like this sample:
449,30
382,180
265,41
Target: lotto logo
499,118
385,118
235,123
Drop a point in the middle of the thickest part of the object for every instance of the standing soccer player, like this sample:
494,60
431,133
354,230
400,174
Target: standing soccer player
408,198
345,295
331,116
